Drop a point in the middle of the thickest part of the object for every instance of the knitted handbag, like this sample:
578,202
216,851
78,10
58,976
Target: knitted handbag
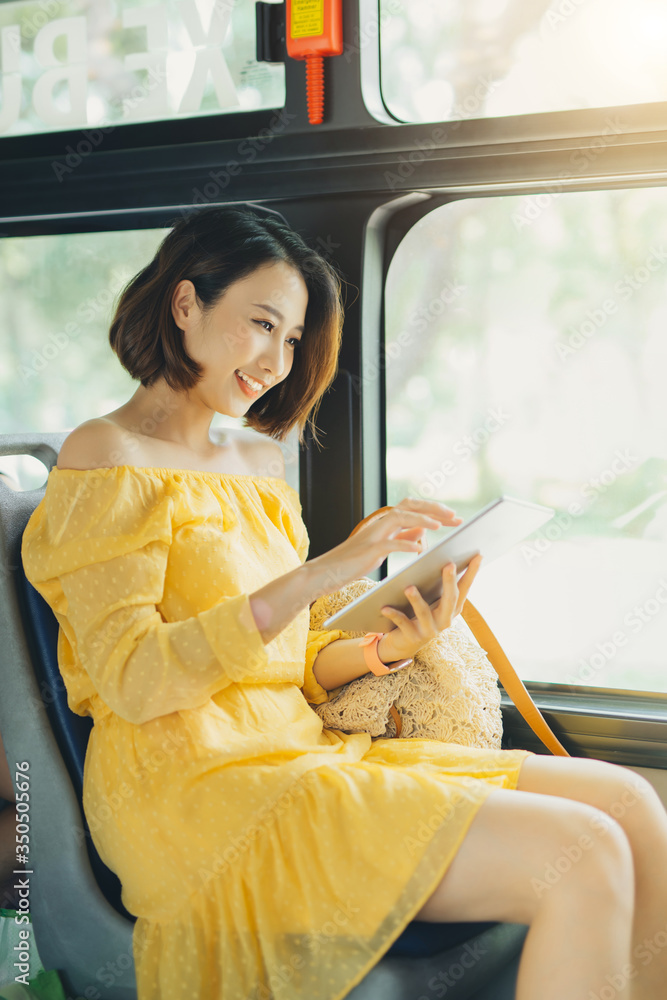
449,692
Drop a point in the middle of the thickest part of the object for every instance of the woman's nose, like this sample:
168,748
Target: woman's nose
273,360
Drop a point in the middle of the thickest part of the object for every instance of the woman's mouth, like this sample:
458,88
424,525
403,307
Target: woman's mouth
250,390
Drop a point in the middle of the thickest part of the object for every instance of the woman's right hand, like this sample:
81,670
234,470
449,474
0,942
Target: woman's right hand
400,529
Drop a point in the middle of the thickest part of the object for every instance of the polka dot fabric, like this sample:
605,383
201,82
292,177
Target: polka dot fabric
266,858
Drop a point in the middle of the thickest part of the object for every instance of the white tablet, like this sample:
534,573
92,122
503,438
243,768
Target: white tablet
492,531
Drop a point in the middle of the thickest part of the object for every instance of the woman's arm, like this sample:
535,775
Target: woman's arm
276,605
279,602
343,660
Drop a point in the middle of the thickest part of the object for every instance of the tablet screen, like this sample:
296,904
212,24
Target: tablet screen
492,531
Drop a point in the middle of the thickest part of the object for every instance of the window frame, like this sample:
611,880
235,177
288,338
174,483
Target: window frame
623,726
329,182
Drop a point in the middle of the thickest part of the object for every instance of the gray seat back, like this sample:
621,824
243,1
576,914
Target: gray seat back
76,929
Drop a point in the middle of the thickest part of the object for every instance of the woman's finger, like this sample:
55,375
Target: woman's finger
422,610
397,520
445,515
413,535
445,610
471,572
466,581
395,616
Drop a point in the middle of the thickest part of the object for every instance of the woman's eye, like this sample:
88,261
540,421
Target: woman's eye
265,323
294,341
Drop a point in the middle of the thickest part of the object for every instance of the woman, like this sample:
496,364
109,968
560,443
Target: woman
264,856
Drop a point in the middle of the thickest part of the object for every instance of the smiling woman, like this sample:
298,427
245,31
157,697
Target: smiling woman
182,593
234,330
227,304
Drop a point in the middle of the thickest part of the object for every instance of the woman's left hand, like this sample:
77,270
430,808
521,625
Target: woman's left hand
410,634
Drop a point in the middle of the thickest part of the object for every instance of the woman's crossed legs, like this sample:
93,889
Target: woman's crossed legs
579,852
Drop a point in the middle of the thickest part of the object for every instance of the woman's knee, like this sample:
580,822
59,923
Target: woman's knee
617,790
524,850
632,794
594,853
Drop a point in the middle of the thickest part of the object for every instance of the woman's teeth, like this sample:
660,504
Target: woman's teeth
255,386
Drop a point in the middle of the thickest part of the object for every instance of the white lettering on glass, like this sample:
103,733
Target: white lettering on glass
208,57
181,52
10,50
149,103
72,70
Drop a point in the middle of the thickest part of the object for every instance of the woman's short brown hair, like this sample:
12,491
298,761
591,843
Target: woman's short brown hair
213,248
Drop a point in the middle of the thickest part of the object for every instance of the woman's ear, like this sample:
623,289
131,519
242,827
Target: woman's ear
184,306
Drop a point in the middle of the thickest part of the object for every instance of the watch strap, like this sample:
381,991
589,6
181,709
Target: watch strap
373,662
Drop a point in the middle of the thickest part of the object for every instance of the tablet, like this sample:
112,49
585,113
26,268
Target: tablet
492,531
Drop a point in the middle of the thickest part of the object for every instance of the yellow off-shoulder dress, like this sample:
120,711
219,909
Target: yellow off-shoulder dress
264,856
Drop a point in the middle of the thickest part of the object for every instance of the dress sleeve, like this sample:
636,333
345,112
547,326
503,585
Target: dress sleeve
288,513
313,692
100,562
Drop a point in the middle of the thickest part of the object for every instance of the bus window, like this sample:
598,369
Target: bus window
526,354
58,295
70,65
455,59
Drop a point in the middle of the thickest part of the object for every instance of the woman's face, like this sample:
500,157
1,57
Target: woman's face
253,331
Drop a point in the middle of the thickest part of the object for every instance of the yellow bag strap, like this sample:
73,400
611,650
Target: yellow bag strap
509,678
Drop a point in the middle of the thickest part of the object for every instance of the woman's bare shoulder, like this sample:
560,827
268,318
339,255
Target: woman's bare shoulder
255,453
96,444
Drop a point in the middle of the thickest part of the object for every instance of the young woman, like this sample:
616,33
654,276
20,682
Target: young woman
263,855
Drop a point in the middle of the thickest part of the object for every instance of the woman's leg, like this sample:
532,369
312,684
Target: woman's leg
580,919
635,806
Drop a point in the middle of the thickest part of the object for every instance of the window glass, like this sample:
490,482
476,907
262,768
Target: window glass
57,369
97,64
454,59
526,354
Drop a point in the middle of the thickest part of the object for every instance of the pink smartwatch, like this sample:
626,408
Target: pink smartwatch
373,661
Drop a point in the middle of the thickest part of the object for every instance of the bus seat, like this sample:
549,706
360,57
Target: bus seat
80,924
78,930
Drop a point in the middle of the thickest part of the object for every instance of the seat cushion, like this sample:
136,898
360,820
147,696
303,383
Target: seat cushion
422,938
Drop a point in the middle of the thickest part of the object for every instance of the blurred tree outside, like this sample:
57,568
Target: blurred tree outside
57,368
450,59
532,363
